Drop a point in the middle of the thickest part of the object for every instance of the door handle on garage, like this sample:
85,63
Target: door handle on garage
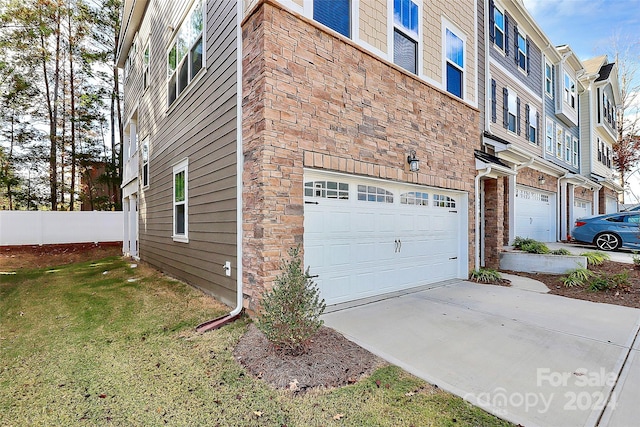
400,245
396,248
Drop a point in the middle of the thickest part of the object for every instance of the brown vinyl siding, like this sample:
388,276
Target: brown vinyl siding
201,125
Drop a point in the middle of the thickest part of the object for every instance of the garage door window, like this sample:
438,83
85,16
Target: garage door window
414,198
530,195
370,193
443,201
327,189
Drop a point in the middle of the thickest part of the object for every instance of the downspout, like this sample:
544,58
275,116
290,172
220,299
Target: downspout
235,313
486,172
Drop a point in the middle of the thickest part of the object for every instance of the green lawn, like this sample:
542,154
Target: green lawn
106,344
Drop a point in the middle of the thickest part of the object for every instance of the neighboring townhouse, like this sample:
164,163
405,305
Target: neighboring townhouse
598,130
561,135
519,187
345,126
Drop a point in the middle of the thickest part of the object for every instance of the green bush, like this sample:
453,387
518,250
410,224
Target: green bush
518,242
561,251
595,257
485,275
291,310
576,277
606,281
535,248
599,283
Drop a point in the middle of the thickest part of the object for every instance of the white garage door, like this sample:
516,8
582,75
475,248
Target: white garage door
535,214
368,237
581,208
611,205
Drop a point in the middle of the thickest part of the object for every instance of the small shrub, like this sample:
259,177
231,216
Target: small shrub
561,251
595,257
518,242
535,248
636,260
606,281
291,310
576,277
485,275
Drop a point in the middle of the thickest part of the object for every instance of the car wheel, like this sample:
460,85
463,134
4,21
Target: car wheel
607,241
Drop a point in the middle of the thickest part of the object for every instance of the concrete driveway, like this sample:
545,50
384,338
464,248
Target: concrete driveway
621,255
534,359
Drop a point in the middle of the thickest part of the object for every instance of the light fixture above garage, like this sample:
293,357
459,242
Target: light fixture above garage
541,180
414,164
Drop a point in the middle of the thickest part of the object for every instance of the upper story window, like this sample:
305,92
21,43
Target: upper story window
145,65
549,140
335,14
532,125
523,52
567,147
128,65
576,145
512,101
548,79
455,63
145,162
569,91
405,34
559,141
185,53
499,28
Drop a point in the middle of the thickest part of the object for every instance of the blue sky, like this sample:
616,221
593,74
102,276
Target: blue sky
587,25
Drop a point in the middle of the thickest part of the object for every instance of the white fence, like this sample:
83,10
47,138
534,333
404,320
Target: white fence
47,227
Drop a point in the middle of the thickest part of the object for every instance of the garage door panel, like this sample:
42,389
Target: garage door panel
363,256
535,214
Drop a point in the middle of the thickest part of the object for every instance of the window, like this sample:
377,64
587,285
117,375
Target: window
327,189
184,57
128,65
576,145
569,91
455,63
335,14
405,35
549,144
559,141
498,28
414,198
532,125
145,162
145,66
567,147
513,111
370,193
443,201
180,201
548,79
522,52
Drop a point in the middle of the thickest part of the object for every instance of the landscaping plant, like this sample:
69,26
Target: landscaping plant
518,242
535,247
561,251
636,260
485,275
291,310
595,257
576,277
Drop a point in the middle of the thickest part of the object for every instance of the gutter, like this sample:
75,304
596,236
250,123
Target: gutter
219,322
486,172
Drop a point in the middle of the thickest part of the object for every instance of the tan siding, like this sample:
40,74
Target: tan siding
202,126
373,23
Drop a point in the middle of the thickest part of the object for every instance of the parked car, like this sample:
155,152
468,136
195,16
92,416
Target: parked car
610,231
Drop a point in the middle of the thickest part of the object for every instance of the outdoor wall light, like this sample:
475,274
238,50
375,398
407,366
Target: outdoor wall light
584,191
541,180
414,164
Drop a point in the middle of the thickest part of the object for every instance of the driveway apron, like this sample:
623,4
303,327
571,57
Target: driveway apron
531,358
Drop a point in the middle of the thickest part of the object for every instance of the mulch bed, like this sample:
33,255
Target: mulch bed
628,296
330,361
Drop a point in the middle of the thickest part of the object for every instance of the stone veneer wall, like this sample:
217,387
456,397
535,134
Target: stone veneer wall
313,99
494,212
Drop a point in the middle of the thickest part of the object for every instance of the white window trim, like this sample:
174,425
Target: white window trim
146,65
145,143
566,92
559,142
549,94
549,148
131,58
174,35
390,40
354,23
526,53
575,151
568,147
513,93
182,165
502,9
447,25
533,123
